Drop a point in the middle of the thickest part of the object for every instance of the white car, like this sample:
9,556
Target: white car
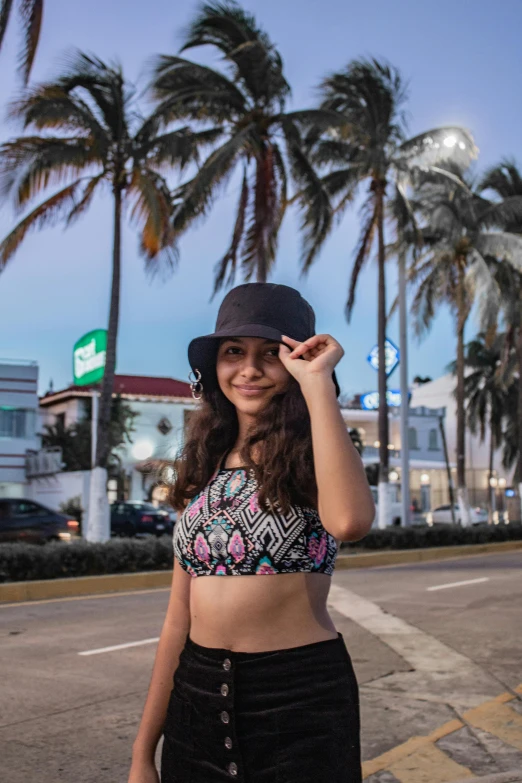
442,515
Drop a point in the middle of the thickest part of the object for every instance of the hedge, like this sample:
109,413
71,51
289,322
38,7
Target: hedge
22,562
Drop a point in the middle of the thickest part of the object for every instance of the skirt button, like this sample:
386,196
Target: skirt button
228,743
232,768
225,717
224,689
227,664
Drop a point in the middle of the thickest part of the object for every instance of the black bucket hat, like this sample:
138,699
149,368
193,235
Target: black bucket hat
266,310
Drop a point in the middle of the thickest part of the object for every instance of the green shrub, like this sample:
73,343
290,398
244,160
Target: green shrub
22,562
440,535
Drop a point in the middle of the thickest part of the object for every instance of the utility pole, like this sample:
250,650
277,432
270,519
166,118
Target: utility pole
405,402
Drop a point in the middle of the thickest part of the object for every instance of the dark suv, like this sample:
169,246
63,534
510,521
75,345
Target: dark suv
137,518
25,520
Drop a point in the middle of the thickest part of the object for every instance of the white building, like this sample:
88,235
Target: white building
440,393
18,423
162,405
428,472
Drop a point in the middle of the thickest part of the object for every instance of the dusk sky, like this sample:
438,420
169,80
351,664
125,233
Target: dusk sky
462,61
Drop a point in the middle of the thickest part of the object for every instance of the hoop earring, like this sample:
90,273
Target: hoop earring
196,386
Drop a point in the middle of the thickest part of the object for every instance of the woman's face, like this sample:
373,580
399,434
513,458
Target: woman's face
250,372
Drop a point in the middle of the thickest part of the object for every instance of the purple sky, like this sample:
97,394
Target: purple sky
463,63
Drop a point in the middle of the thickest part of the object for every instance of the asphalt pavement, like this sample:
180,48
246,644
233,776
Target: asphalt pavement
437,649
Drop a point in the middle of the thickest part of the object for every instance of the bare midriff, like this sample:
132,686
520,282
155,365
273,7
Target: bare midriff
260,612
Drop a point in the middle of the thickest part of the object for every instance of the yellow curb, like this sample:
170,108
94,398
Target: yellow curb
82,585
498,719
407,748
11,592
502,721
401,556
428,764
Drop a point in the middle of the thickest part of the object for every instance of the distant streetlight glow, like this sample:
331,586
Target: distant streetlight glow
143,449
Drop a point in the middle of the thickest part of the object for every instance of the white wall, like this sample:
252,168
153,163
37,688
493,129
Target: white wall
52,491
18,389
438,394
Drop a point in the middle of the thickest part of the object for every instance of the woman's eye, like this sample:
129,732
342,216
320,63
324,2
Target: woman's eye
274,351
233,349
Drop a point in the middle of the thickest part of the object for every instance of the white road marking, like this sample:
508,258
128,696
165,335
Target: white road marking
458,584
119,646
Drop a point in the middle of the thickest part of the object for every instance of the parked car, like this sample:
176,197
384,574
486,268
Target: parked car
26,520
138,519
442,515
396,507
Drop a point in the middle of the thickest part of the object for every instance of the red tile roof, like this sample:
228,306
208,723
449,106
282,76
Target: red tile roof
135,385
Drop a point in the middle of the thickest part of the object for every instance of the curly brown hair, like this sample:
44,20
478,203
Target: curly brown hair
281,441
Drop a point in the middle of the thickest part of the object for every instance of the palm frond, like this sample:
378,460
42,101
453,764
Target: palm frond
196,195
504,179
234,32
438,146
501,245
184,89
31,12
49,213
261,236
225,270
84,202
316,209
5,14
363,251
503,214
30,164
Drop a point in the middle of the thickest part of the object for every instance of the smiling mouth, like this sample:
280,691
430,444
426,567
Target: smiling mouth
251,389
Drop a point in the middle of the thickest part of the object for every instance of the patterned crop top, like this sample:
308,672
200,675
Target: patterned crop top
223,531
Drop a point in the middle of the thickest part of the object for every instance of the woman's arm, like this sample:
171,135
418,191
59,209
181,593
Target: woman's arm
345,500
172,640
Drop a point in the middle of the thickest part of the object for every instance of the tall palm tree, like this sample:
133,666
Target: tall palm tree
460,241
88,134
31,12
505,181
371,148
487,392
260,137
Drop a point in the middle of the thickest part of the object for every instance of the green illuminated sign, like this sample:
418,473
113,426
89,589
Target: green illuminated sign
89,357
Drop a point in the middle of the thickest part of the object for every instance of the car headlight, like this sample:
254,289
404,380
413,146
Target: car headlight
429,518
64,536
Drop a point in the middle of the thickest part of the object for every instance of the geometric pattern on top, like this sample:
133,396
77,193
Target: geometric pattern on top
223,531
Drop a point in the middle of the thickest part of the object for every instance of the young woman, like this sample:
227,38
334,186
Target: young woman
252,682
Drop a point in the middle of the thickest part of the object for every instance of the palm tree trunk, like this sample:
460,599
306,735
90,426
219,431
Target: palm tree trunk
98,518
383,497
519,412
102,447
492,490
462,492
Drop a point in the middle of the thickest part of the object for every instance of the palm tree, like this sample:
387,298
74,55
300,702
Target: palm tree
454,268
248,102
371,148
487,392
505,181
87,133
31,12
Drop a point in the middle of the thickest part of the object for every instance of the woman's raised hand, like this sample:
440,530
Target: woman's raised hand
321,353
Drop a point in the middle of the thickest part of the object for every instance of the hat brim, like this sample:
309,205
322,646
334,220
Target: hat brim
202,351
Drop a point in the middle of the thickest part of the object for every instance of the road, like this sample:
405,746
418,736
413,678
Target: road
436,648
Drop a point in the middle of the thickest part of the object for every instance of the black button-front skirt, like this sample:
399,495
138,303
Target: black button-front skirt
285,716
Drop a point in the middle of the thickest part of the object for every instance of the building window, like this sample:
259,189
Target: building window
434,440
412,438
13,423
